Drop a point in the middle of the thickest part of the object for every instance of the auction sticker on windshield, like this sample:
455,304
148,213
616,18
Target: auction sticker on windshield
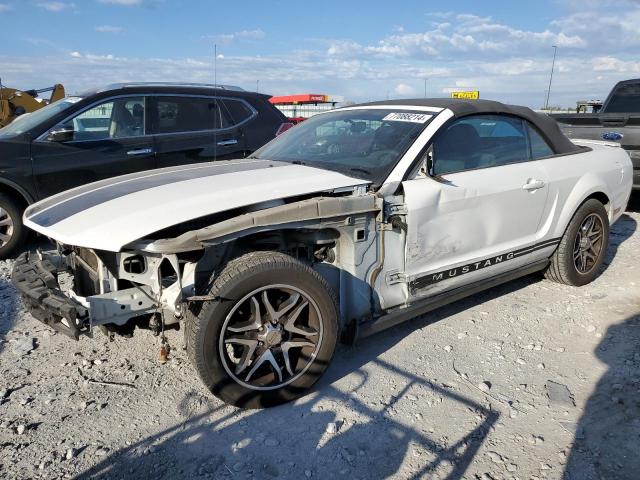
408,117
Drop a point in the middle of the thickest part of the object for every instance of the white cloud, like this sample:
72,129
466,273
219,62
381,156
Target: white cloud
108,29
5,7
597,48
468,34
615,65
56,6
228,38
404,90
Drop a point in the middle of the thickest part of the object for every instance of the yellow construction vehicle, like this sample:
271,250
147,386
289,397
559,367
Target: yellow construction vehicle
14,102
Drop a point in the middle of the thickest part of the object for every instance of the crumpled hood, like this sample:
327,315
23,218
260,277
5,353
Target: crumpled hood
110,214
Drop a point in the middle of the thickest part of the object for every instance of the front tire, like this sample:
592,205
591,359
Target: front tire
268,335
13,233
580,255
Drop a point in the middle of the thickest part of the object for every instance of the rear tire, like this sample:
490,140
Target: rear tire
13,233
234,340
579,257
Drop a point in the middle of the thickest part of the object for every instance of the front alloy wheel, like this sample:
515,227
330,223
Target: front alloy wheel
268,335
271,337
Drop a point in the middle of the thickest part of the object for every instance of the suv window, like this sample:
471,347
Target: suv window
539,147
189,114
480,141
625,99
238,111
119,118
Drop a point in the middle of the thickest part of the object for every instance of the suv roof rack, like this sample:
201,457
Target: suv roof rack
114,86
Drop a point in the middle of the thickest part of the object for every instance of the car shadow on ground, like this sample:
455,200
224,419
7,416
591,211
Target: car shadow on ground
634,202
373,447
607,438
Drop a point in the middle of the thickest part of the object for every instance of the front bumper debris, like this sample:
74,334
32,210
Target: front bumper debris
36,278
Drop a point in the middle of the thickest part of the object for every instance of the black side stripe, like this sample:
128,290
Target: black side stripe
443,275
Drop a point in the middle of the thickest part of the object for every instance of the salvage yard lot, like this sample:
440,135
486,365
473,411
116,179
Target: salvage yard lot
528,380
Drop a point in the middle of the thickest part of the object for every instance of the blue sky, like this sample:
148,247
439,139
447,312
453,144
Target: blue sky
362,50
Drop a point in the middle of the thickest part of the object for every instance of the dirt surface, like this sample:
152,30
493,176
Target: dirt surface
529,380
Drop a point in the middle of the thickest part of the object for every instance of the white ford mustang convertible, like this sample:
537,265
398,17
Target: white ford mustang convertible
347,224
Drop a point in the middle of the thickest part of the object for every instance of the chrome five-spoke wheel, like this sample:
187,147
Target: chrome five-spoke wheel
271,337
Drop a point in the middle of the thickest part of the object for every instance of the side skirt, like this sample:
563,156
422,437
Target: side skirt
396,317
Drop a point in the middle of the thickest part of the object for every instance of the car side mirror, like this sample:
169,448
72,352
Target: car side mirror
61,134
428,163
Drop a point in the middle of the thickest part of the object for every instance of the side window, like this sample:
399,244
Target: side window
539,147
238,111
189,114
119,118
625,99
480,141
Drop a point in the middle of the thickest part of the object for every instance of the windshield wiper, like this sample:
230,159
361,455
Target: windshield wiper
360,170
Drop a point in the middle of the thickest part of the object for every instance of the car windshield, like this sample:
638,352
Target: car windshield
27,121
364,143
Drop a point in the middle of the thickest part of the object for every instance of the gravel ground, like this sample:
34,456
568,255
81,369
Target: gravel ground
529,380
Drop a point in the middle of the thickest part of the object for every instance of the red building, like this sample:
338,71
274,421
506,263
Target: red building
302,106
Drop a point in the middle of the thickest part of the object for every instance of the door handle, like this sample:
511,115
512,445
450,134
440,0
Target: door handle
140,151
224,143
533,184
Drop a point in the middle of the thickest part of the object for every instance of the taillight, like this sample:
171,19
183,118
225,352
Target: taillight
283,128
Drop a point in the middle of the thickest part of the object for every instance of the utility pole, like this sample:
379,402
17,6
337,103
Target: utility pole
215,65
553,64
425,87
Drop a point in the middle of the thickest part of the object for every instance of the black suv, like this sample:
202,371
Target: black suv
122,129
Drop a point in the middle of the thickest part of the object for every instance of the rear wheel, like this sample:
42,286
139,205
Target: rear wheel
269,334
580,255
12,232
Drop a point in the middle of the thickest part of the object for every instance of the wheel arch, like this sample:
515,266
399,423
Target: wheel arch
14,191
588,187
322,247
312,244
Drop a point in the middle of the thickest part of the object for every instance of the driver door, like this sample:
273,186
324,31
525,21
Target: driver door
480,211
106,140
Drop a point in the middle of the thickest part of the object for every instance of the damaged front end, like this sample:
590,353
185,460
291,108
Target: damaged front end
76,289
150,282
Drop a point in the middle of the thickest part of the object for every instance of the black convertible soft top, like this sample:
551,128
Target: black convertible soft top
546,125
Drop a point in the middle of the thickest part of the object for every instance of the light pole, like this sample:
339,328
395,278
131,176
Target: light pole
553,64
425,87
215,65
257,86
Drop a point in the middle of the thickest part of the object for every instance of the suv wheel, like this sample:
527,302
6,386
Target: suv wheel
269,334
579,257
12,232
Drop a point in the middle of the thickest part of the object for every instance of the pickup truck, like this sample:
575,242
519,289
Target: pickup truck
351,222
617,121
